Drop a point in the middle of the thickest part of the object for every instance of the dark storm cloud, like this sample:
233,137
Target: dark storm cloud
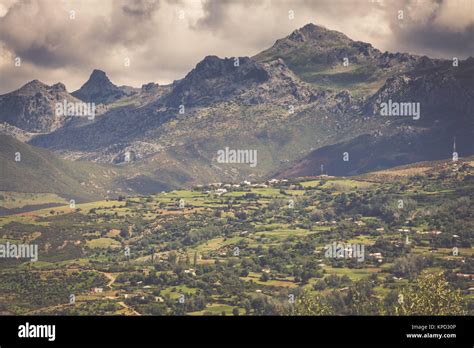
438,42
141,8
163,40
442,28
216,13
428,27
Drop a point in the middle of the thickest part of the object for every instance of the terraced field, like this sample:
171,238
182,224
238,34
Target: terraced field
250,250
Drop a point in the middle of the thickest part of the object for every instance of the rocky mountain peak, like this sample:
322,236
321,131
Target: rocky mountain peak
213,66
312,45
35,83
149,86
32,107
31,88
98,78
99,89
99,74
313,29
316,33
216,78
34,87
59,87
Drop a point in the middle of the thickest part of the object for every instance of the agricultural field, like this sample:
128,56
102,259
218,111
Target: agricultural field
246,248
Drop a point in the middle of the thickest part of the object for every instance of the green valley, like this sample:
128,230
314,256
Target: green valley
250,248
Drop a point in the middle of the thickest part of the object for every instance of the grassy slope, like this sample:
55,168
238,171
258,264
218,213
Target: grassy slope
40,171
315,67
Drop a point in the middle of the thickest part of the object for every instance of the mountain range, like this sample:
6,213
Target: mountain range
312,99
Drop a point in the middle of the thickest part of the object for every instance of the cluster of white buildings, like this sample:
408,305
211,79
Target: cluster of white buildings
221,188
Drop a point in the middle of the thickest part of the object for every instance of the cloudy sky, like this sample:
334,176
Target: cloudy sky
63,40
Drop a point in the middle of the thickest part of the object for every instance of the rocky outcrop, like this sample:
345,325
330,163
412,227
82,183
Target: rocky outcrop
99,89
241,79
32,108
438,87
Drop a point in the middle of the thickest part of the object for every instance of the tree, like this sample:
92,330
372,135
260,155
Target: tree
317,215
361,299
258,305
195,259
430,294
152,252
241,215
124,233
308,304
319,285
172,258
244,273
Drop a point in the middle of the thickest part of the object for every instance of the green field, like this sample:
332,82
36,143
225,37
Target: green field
246,250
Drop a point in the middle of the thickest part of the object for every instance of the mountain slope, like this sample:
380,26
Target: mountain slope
250,113
32,108
40,171
241,78
296,104
317,55
446,97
